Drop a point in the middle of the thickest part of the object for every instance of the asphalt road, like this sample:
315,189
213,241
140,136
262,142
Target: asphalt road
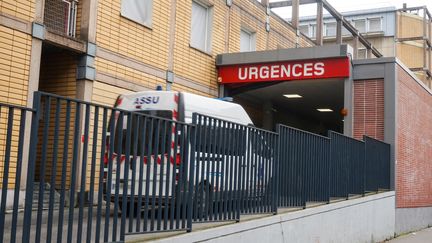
423,236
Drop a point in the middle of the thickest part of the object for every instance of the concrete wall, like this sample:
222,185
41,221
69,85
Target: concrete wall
368,219
412,219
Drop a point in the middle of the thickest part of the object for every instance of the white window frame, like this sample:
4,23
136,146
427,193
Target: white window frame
130,15
374,18
252,39
312,31
208,25
365,24
325,29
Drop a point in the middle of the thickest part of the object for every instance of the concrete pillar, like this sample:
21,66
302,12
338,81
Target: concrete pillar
33,85
348,104
88,20
319,24
339,32
295,13
355,46
268,115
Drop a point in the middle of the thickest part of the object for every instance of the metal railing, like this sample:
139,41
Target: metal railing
234,170
94,173
12,135
60,16
303,167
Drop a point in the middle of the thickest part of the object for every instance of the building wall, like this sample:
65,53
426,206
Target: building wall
411,53
414,142
15,49
368,114
136,57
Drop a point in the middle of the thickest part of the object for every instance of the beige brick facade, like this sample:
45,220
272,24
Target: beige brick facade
130,56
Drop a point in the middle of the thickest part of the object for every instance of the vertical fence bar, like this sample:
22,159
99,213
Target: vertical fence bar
53,170
93,173
192,139
110,161
75,161
47,113
83,172
119,150
6,169
63,176
149,163
125,188
133,166
101,177
18,175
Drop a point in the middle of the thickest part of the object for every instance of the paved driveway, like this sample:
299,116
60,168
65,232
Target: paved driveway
423,236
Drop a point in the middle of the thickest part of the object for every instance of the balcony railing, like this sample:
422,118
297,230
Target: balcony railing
60,16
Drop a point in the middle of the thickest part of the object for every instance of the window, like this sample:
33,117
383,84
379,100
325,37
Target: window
139,11
361,53
247,41
304,29
330,29
360,25
312,31
201,27
374,24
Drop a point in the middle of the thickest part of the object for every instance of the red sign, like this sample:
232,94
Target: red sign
284,71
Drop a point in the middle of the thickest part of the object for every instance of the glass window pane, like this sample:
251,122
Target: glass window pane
199,26
360,25
375,24
312,31
139,11
245,41
330,29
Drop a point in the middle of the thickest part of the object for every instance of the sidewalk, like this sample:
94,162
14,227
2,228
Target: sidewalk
423,236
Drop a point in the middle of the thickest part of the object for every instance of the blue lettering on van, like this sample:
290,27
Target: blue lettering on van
146,100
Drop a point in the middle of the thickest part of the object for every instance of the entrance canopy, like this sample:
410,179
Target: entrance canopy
301,87
284,65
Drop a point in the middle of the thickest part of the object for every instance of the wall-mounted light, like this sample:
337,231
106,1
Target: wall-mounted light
293,96
324,110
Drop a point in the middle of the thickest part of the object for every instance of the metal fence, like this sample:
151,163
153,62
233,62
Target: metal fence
347,168
303,167
13,128
98,174
234,169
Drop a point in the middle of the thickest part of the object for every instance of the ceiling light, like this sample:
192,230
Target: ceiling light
293,96
324,110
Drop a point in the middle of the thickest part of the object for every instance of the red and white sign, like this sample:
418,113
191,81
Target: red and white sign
285,71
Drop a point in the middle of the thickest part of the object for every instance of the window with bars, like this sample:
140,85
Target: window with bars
60,16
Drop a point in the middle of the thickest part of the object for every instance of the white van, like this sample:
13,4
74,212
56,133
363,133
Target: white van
178,106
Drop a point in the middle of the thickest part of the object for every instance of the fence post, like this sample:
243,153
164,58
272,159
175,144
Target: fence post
31,167
275,172
192,132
